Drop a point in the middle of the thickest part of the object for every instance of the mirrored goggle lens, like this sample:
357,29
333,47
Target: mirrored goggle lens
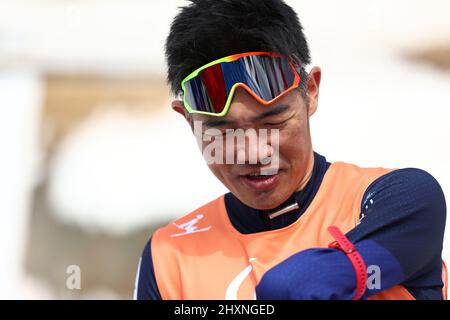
265,75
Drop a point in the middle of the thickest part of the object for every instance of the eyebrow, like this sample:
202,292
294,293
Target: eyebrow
281,108
278,109
217,122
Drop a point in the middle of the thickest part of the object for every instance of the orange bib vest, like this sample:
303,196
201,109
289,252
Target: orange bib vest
202,256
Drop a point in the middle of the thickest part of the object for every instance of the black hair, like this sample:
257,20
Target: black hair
207,30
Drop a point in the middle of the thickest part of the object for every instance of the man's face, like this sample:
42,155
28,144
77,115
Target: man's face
285,120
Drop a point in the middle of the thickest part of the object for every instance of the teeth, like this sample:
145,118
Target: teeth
269,171
264,172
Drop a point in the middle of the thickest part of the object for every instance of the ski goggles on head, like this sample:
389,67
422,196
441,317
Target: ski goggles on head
265,75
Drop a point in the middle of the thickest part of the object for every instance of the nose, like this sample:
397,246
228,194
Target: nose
254,148
254,153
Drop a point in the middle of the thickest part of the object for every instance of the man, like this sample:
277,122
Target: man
279,233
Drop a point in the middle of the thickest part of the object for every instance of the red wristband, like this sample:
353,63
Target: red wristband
342,243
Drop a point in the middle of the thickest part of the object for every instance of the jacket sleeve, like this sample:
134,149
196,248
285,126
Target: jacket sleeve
401,231
146,287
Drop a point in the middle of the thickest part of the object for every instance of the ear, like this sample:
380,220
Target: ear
313,89
177,105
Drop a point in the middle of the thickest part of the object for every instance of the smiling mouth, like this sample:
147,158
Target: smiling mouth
261,181
260,176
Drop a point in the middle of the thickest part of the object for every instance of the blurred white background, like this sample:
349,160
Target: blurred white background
385,99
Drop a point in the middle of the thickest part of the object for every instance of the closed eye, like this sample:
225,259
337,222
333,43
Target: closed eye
277,122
